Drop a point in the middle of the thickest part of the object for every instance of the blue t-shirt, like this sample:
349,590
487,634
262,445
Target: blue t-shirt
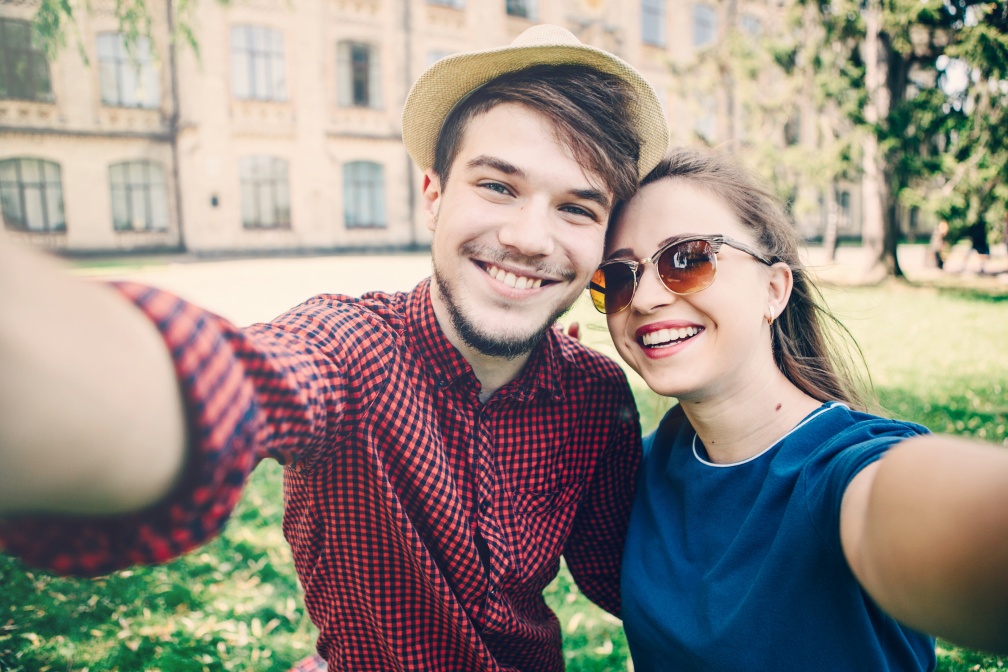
740,567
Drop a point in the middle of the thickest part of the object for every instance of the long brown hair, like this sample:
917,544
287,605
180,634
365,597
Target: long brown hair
811,346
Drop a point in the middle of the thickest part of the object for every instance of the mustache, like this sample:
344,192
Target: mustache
497,256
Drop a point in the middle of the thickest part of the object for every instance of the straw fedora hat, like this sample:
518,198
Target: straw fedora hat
454,77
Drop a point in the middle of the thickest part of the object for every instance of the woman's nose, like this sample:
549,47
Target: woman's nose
651,291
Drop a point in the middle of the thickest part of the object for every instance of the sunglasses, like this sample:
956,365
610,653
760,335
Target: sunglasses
685,266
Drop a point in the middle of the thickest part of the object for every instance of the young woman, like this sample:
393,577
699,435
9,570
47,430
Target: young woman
777,525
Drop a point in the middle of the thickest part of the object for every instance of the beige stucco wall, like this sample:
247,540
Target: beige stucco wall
310,130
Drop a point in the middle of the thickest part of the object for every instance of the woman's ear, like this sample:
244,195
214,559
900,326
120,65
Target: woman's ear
781,281
431,197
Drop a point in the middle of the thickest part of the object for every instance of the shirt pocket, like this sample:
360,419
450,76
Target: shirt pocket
543,520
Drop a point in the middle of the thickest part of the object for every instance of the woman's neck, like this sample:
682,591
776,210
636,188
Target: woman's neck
738,425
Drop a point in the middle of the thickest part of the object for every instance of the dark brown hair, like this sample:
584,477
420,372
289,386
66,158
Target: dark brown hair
810,345
589,109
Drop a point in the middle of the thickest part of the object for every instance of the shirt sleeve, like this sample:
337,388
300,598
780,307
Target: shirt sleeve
594,551
248,394
826,479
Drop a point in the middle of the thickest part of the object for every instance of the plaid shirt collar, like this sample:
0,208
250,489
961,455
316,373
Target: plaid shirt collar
448,367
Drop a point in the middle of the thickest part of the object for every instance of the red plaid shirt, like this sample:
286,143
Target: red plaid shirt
424,524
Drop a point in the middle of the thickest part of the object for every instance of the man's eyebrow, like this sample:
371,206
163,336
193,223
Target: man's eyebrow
497,164
485,161
592,195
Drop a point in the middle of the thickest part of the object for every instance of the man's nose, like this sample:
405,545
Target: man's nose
529,231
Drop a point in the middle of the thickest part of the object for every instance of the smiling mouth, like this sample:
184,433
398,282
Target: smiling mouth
511,280
667,337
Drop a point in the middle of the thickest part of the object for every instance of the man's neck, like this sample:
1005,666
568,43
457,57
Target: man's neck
492,372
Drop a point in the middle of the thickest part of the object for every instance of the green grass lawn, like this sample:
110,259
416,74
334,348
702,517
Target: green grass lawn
937,358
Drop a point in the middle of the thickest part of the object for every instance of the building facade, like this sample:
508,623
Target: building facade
281,131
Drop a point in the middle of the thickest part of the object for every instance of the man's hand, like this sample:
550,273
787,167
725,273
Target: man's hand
91,418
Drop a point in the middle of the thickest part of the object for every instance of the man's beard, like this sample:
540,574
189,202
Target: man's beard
477,338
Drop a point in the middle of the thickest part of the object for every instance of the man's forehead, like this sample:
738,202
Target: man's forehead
489,140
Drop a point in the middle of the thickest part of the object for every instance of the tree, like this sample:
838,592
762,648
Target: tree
54,21
924,143
971,187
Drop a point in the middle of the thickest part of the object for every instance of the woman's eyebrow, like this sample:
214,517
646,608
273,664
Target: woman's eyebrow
622,252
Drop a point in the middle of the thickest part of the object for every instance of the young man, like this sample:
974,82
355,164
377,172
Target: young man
443,447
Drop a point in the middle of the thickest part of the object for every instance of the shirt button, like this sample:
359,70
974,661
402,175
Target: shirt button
485,507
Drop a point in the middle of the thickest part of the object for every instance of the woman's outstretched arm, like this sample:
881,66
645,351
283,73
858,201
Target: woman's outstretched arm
925,531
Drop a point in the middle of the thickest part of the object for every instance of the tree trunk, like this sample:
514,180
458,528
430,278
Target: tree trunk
832,222
874,184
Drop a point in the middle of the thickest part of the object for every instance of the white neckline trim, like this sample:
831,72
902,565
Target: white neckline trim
809,418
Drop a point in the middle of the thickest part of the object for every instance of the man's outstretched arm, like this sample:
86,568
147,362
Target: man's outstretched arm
91,417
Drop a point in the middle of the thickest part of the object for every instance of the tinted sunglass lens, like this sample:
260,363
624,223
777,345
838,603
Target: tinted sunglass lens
688,267
612,288
596,288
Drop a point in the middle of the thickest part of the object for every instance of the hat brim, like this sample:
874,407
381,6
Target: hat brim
452,78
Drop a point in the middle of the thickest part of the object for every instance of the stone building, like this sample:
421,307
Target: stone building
281,131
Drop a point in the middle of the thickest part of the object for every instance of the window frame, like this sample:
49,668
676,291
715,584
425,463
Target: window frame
154,193
275,185
49,189
36,65
364,195
124,67
258,63
704,31
358,80
654,19
522,9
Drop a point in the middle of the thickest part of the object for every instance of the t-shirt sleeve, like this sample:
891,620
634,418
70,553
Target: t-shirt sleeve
826,478
248,394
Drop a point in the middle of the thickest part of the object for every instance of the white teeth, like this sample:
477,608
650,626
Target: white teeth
668,335
512,280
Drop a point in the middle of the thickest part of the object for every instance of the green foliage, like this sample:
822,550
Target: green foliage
55,20
944,136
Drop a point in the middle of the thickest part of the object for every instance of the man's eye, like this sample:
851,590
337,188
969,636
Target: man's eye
579,211
496,186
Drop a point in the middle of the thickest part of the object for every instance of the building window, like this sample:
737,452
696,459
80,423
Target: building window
265,194
257,63
128,77
31,193
704,26
139,196
526,9
653,22
359,75
364,195
456,4
24,71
